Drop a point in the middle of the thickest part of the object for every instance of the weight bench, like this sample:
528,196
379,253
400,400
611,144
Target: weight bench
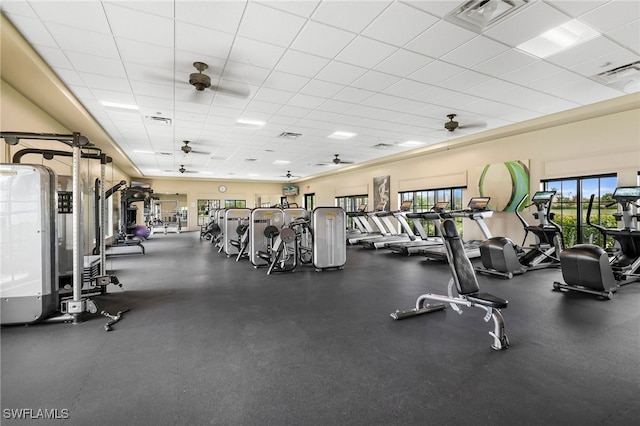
464,278
128,241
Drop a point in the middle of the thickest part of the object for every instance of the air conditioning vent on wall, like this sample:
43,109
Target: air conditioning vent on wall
479,15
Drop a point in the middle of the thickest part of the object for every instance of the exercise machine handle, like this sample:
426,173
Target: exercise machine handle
600,228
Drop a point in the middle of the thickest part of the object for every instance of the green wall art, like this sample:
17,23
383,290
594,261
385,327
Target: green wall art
506,183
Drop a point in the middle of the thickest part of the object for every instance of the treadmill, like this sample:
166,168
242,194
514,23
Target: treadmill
412,247
477,210
364,216
393,236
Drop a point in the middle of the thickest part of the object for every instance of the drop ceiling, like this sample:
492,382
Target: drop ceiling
388,71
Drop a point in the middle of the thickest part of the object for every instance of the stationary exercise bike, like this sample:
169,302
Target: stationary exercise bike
591,269
500,256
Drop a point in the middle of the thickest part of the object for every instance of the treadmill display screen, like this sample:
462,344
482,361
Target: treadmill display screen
627,193
440,205
478,203
406,205
543,196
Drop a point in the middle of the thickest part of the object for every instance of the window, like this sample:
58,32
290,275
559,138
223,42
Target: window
572,201
205,207
424,200
352,203
309,201
235,204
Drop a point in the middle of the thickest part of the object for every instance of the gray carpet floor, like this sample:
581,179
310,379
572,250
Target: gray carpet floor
209,340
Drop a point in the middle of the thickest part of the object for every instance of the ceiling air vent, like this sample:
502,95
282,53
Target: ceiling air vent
154,119
622,77
382,146
289,135
479,15
250,160
164,154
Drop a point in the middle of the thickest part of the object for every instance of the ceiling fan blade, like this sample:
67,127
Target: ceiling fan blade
476,125
235,90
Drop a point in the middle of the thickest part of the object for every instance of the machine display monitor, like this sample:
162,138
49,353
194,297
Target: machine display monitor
406,205
543,196
478,203
362,208
627,193
440,205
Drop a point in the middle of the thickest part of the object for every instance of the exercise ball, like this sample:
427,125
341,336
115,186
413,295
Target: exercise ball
141,231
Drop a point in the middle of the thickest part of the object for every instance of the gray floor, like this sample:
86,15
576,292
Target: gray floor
212,341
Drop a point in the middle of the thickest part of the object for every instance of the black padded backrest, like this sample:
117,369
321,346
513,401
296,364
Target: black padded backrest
461,267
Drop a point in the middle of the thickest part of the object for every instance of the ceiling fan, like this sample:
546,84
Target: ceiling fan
452,125
182,169
187,149
337,160
202,81
289,175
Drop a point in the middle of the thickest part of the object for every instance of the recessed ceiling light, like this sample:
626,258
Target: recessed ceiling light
411,143
256,123
558,39
117,105
342,135
138,151
281,162
253,175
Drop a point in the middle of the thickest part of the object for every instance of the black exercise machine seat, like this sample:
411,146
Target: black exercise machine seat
464,278
463,273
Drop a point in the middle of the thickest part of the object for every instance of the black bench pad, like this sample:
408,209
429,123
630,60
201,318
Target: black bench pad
487,299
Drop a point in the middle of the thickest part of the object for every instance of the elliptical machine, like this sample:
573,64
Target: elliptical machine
500,256
591,269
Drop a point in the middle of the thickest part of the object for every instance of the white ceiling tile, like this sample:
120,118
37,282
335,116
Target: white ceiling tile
336,106
300,8
97,65
585,92
551,81
70,77
322,40
291,111
221,15
381,100
375,81
141,88
321,88
403,63
612,15
575,8
405,88
504,63
143,53
436,72
474,52
33,30
88,15
440,39
79,40
96,81
265,24
532,72
140,26
266,107
353,95
285,81
407,106
434,94
81,92
533,20
255,53
365,52
202,41
464,81
627,35
399,24
349,15
244,73
306,101
17,8
300,63
268,94
584,52
491,88
340,73
159,8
